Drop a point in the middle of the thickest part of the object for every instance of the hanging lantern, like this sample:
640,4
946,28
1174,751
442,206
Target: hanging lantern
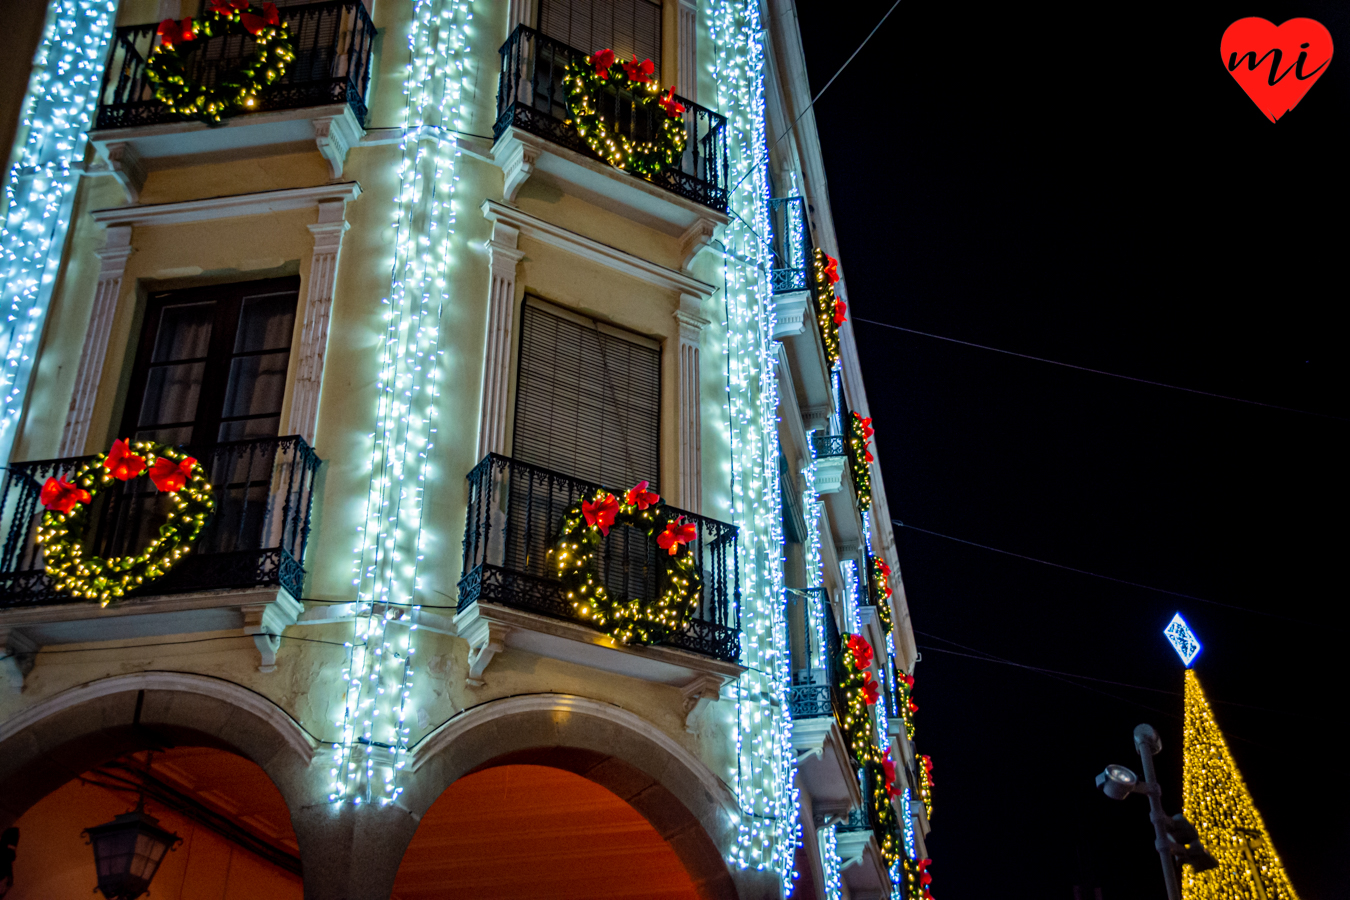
127,853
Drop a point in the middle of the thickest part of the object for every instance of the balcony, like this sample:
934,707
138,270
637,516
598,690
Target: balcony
533,138
861,864
831,456
508,597
825,767
247,568
319,102
790,277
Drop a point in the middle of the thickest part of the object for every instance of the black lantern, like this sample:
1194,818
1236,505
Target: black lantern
127,853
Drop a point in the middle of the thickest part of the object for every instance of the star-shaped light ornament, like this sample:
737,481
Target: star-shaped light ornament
1182,639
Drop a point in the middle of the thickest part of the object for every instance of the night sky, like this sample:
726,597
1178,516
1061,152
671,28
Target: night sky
1091,186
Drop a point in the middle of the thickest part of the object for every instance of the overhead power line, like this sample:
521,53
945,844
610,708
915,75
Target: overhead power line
1053,362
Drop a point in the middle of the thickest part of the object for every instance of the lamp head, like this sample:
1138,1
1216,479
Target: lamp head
1117,782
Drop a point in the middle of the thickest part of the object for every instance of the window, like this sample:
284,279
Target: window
628,27
588,399
211,366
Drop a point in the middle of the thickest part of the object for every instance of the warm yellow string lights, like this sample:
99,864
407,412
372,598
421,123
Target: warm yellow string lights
1215,800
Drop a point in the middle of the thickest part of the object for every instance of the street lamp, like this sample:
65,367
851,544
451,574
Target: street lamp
129,849
1175,838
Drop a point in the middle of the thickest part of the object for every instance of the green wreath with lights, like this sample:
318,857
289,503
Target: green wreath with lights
234,91
62,529
587,78
587,523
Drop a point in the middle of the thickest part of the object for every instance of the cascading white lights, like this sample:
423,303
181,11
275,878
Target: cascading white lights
40,192
390,545
768,825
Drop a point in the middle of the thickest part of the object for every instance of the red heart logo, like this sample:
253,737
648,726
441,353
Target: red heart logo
1276,65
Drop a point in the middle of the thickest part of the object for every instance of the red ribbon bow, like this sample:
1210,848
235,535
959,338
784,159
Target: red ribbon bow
840,307
867,435
928,768
890,774
255,23
122,464
832,269
676,534
174,32
640,72
61,496
673,107
601,512
871,691
861,650
913,707
602,60
171,476
907,679
640,497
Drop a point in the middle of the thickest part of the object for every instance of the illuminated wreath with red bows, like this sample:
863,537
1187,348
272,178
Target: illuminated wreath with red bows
587,523
61,531
592,80
234,91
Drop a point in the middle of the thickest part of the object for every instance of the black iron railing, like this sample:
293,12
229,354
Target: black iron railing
817,691
823,445
332,65
791,235
264,493
532,96
514,515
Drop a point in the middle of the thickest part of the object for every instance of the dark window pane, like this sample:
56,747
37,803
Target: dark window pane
256,385
266,322
184,331
171,394
244,429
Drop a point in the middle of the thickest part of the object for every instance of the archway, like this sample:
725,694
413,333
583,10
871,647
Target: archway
628,762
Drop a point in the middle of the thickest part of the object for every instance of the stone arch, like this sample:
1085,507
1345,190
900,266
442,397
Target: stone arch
53,741
680,796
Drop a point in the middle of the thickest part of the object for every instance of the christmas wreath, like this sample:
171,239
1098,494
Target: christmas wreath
859,437
831,312
860,691
589,77
881,589
61,531
586,524
231,91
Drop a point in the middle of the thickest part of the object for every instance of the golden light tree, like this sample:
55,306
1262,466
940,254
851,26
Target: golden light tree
1216,801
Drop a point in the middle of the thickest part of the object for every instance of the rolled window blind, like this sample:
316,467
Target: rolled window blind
628,27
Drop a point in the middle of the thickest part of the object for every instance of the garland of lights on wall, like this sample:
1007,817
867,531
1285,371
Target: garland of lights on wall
586,524
591,83
860,458
235,91
62,529
830,310
905,698
767,824
861,691
880,585
926,784
391,539
57,113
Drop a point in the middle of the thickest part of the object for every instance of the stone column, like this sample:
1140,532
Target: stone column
113,265
689,484
328,232
687,37
520,12
502,259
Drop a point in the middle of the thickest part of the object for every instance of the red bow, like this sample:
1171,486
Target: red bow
928,768
640,497
885,569
676,534
226,7
868,431
832,269
602,60
871,692
913,707
861,650
122,464
641,72
171,476
61,496
673,107
908,680
173,32
890,774
255,23
601,512
840,307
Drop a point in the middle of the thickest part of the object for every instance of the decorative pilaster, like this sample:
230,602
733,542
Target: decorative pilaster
502,259
328,232
113,265
687,36
689,484
521,12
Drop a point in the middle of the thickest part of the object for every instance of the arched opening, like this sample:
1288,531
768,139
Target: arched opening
237,842
518,831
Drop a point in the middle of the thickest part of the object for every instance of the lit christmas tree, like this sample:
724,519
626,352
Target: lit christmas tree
1215,800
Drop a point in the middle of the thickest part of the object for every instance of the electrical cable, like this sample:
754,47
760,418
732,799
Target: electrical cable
1053,362
1147,587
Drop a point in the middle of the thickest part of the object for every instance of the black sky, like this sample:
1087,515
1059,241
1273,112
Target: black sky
1088,184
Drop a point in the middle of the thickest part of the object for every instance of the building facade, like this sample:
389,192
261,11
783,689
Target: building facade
445,466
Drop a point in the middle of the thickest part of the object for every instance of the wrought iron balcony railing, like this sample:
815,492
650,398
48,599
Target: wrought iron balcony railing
532,96
791,236
256,537
824,445
514,515
816,693
332,40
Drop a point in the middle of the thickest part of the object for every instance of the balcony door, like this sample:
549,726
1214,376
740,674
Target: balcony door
628,27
